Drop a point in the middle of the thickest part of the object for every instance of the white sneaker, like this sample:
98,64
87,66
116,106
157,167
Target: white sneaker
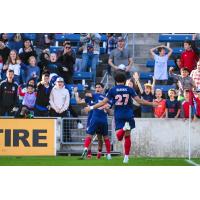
80,125
125,159
108,157
127,127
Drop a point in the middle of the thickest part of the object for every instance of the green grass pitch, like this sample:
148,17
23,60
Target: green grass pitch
74,161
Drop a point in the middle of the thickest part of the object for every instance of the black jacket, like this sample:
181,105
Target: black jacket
4,53
8,94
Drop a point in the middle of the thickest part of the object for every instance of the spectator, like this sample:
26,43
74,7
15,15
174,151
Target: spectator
59,99
189,57
184,82
1,67
91,51
173,107
160,67
186,105
16,42
120,58
8,95
52,66
111,43
4,51
159,111
4,38
195,74
67,60
148,95
32,71
44,60
27,51
197,104
178,63
42,99
13,63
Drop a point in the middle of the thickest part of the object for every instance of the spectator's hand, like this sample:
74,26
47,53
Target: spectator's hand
75,89
65,69
154,104
171,69
136,76
15,109
194,36
5,67
88,94
87,109
19,62
28,50
128,68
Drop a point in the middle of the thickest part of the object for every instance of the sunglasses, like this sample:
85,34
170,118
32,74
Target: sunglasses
67,47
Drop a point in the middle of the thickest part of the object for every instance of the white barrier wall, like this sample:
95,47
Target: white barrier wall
163,138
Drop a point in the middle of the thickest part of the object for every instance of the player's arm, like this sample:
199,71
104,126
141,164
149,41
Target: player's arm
78,99
144,102
98,105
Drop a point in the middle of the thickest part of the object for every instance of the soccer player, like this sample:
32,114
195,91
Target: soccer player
121,96
98,123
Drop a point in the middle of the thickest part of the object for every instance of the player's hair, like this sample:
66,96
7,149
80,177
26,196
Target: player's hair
101,84
120,77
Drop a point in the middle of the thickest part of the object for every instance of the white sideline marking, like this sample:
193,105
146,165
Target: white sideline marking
192,162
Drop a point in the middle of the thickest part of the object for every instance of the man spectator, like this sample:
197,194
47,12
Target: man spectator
67,60
111,42
8,95
120,58
4,51
189,57
59,99
91,51
195,74
42,99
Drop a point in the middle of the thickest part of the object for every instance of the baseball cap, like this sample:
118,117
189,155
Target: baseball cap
59,79
119,39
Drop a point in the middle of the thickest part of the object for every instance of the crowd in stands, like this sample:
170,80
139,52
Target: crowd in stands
34,81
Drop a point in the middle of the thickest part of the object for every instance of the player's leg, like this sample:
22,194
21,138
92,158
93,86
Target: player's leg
100,145
121,127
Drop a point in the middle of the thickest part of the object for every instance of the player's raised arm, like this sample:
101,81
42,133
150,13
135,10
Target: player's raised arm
98,105
144,102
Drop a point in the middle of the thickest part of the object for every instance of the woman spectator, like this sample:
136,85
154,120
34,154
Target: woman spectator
195,74
33,71
4,51
4,38
27,51
13,63
67,60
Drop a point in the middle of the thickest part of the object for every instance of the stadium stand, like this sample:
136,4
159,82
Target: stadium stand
174,37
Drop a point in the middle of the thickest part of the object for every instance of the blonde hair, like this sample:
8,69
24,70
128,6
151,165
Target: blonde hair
31,57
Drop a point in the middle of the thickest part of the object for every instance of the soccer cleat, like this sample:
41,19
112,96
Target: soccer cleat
125,159
98,155
127,127
108,156
84,154
89,156
80,125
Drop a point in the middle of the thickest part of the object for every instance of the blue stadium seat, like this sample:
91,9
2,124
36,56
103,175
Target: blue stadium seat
174,37
103,37
60,37
73,101
79,86
10,35
82,75
30,36
146,75
178,50
165,88
55,49
150,63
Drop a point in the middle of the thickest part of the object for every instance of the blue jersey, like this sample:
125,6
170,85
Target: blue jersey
90,102
149,98
172,107
121,96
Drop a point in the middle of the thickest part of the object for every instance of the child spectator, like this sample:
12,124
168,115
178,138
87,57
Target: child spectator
186,105
148,95
189,57
195,74
160,68
197,103
184,82
33,71
173,107
13,63
159,111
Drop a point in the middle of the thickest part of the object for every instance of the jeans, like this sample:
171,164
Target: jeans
94,60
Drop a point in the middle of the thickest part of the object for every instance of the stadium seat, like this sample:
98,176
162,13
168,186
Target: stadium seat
10,35
30,36
150,63
165,88
174,37
55,49
60,37
82,75
146,75
79,86
178,50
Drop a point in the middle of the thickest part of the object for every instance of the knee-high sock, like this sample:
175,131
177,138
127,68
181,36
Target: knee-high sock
107,144
87,142
120,134
127,145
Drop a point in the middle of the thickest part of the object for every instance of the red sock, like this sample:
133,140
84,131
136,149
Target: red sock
89,152
120,134
127,144
107,144
87,142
